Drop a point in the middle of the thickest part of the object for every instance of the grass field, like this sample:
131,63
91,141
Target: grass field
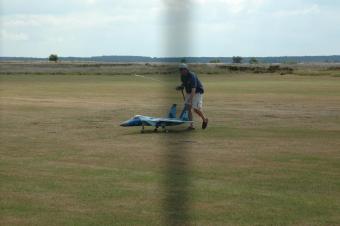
270,156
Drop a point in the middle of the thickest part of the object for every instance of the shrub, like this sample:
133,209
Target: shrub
237,60
183,60
53,57
253,60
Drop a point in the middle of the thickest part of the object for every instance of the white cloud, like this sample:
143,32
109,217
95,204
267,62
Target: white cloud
13,36
91,2
214,27
233,6
306,10
75,20
87,2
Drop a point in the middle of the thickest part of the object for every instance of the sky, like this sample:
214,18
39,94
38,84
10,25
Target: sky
163,28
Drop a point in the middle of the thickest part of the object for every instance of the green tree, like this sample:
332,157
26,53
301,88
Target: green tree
183,60
53,57
253,60
237,60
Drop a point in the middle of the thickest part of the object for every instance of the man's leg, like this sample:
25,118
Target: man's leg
201,114
190,115
197,105
205,119
189,108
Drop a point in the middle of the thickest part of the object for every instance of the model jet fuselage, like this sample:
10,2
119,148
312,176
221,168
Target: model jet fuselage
171,120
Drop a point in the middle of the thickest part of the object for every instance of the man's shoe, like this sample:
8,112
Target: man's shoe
205,124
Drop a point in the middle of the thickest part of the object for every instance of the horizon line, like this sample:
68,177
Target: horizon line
160,57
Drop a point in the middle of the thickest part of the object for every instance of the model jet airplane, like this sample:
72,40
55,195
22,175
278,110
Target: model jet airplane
170,120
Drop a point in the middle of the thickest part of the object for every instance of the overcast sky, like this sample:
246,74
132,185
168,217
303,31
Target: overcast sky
169,28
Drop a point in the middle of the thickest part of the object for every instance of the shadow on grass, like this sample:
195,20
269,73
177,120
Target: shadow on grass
149,132
176,202
177,164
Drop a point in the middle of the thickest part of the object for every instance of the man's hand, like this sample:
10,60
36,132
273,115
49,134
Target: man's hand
178,88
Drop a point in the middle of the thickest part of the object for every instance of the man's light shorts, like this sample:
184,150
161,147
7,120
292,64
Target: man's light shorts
197,101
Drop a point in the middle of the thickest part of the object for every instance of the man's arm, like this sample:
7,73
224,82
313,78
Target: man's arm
180,87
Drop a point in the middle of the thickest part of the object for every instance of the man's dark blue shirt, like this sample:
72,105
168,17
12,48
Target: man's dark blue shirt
191,81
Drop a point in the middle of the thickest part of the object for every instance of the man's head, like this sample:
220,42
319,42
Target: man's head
184,70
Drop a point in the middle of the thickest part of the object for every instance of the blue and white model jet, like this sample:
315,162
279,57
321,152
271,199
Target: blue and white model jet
170,120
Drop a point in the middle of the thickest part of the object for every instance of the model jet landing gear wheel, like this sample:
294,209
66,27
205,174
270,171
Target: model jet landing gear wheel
165,129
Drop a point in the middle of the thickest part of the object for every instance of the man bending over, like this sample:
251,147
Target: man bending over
194,94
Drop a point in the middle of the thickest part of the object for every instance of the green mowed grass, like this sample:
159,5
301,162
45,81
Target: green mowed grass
270,155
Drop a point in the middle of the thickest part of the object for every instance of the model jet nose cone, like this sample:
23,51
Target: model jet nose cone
132,122
124,124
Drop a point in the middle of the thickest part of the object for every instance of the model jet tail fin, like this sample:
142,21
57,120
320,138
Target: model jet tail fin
172,112
185,114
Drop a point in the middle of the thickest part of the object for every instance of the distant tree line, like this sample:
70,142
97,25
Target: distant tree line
130,59
215,61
